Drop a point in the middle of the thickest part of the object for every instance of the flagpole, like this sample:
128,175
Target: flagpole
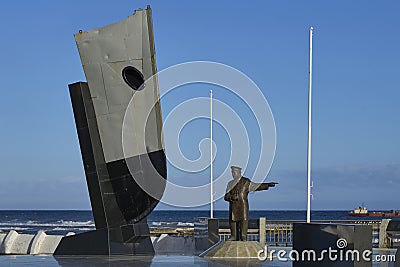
211,158
309,133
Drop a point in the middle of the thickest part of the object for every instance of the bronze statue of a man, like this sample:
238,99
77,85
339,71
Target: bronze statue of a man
236,194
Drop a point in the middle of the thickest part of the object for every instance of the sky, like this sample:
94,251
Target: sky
356,82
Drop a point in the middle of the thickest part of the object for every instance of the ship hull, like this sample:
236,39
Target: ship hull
125,167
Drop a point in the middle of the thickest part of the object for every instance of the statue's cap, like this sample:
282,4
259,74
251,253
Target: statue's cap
236,168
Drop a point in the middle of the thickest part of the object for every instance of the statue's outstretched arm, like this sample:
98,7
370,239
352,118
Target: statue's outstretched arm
261,186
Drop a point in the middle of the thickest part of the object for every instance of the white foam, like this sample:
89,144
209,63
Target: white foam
169,224
73,223
14,228
185,224
69,229
59,223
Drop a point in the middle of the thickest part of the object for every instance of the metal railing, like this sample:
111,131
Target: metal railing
252,234
280,233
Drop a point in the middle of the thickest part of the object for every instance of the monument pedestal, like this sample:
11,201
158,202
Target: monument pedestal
233,250
397,262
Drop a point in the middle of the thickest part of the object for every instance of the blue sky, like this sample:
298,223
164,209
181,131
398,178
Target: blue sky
356,93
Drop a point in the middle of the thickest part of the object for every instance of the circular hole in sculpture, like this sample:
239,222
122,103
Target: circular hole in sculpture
133,77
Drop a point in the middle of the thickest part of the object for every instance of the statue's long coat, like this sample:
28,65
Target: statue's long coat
237,194
238,199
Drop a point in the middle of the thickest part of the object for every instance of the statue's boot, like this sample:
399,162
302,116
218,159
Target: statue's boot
233,227
244,225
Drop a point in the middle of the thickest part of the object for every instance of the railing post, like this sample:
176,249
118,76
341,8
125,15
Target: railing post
262,231
382,233
213,232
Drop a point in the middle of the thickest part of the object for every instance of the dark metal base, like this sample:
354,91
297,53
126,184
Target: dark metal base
105,242
320,237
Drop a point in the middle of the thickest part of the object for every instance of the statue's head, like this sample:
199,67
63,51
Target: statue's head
236,172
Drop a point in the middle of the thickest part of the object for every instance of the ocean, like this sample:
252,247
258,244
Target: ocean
64,221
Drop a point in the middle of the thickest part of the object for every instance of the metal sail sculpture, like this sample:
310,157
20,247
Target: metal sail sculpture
117,60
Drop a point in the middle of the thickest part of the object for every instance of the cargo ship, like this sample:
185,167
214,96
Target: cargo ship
363,212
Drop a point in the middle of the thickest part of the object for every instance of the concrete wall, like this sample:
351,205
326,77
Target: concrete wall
178,245
41,243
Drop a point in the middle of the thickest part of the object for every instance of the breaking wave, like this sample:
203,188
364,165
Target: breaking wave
89,223
9,228
67,229
171,224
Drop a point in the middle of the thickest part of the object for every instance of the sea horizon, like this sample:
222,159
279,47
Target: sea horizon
182,210
61,222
